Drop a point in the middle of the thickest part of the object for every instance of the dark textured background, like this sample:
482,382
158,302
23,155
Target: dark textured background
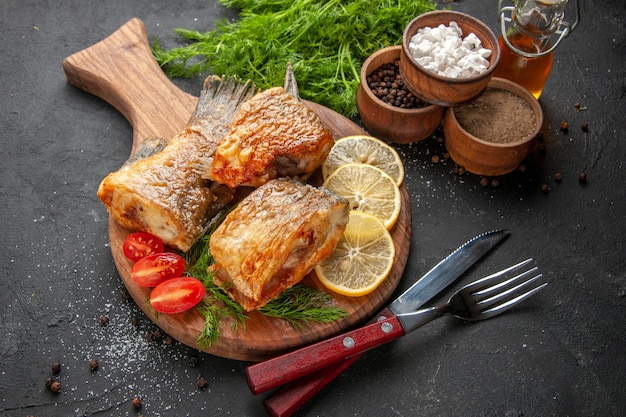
561,353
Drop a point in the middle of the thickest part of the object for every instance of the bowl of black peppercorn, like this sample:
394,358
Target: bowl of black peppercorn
387,107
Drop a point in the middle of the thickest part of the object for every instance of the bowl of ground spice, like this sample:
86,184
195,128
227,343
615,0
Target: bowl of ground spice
495,132
448,57
388,109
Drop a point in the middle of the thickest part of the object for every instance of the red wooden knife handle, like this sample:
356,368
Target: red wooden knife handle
275,372
290,397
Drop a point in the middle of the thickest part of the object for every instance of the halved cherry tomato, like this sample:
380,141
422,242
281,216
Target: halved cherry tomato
177,295
140,244
152,270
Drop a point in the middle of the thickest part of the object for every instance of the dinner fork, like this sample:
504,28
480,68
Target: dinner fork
479,300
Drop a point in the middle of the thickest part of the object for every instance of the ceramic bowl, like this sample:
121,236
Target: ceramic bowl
437,89
387,122
486,157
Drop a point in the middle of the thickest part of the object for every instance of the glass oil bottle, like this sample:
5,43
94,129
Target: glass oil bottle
527,45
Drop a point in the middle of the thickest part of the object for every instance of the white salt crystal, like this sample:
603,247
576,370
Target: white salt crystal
444,51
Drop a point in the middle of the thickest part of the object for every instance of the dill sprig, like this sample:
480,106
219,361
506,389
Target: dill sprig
301,304
325,40
298,305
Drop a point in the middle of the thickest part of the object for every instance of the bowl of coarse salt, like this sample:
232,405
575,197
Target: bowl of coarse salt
448,57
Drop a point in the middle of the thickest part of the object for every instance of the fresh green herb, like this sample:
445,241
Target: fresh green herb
325,40
301,304
298,305
217,304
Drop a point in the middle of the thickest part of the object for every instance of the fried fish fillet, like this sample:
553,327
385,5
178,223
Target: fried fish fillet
273,135
274,238
163,193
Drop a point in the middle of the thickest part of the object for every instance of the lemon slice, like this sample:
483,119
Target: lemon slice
362,259
364,150
368,189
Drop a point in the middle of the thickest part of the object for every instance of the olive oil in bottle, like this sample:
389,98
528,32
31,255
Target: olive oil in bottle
526,46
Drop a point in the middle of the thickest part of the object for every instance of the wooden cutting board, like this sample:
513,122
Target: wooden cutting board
122,71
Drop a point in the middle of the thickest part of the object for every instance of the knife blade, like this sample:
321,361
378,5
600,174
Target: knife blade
282,369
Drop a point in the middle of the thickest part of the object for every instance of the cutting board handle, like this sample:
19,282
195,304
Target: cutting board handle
122,71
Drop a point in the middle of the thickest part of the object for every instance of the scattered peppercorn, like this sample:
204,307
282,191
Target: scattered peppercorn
388,86
55,368
461,170
93,364
202,383
545,188
582,178
577,105
134,321
49,381
168,340
558,177
564,126
434,159
446,155
495,183
104,320
55,387
484,181
585,126
193,361
522,168
136,402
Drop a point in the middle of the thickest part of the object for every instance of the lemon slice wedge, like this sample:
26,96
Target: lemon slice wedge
364,149
362,259
368,189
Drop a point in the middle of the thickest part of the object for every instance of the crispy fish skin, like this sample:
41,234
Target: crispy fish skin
274,238
273,135
163,193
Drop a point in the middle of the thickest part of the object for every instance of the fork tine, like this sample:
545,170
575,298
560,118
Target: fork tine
503,294
510,303
488,280
498,288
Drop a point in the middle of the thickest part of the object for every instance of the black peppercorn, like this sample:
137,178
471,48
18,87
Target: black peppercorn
558,177
93,364
104,320
202,383
545,188
55,387
55,368
585,126
387,85
136,402
582,178
564,126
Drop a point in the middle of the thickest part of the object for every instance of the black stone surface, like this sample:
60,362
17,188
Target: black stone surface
559,354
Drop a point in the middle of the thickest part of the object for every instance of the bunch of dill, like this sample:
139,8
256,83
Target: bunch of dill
325,40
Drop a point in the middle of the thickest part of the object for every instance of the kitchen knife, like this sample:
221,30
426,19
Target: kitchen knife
282,369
